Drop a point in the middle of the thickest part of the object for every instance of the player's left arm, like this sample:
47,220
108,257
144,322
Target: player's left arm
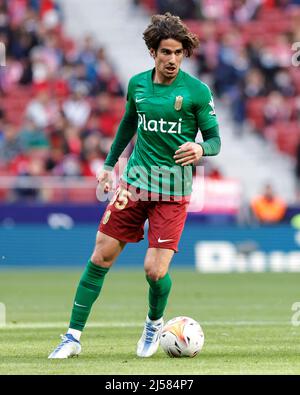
190,152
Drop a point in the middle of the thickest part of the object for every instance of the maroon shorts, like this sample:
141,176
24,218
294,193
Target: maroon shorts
125,216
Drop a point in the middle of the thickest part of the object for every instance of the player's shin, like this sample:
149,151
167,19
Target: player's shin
158,296
88,290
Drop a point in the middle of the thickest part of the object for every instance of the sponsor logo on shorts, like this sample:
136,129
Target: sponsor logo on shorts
164,241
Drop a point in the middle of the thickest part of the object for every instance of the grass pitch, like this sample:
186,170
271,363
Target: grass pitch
246,320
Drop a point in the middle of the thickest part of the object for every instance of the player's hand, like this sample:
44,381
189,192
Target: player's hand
188,153
105,180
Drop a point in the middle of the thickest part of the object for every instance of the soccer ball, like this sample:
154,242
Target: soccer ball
182,337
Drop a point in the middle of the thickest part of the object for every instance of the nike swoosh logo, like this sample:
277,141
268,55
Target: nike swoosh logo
139,100
163,241
79,305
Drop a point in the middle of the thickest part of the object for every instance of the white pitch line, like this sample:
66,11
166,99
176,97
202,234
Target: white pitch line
49,325
41,325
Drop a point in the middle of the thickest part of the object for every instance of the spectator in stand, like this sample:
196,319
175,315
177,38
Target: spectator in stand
28,185
88,57
12,74
2,122
10,144
23,36
78,78
244,10
53,163
254,84
107,81
107,118
284,84
42,110
58,129
226,77
268,208
32,137
4,19
71,166
72,136
208,51
215,9
186,9
249,85
50,14
93,154
276,109
282,50
77,109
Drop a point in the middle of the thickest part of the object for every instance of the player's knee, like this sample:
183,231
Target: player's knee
154,274
99,259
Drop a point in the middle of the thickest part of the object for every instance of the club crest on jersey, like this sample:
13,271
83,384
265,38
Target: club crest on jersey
178,103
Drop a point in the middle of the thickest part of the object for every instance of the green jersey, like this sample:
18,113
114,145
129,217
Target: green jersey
165,116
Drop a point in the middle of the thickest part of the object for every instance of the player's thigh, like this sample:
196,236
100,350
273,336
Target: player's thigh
166,223
157,262
106,250
124,217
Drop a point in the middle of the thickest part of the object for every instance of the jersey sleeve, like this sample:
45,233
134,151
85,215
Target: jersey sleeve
126,130
205,108
130,103
211,141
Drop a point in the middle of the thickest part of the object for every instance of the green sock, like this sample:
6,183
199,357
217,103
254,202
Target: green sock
88,290
158,296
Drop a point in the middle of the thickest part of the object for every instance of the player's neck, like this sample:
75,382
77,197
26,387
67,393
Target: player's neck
159,78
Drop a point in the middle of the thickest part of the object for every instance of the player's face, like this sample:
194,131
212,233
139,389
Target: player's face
168,58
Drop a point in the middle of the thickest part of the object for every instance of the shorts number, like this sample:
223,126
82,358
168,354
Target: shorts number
120,199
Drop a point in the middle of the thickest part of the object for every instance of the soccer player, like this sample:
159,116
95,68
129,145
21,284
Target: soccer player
166,107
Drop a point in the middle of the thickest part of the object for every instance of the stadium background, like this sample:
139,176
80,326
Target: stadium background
62,96
67,64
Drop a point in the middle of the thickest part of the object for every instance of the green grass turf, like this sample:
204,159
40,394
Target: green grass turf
246,319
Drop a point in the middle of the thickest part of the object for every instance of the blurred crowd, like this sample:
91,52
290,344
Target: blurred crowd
60,100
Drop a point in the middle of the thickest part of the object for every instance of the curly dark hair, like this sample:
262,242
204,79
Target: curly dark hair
167,26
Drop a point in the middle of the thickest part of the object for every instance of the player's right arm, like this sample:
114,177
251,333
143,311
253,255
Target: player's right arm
126,131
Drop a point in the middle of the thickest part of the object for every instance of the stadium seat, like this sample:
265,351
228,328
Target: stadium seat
254,109
285,135
288,136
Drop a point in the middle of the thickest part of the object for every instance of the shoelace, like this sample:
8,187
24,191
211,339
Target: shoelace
150,332
65,340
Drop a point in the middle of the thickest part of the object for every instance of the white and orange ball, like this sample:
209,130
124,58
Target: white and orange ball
182,337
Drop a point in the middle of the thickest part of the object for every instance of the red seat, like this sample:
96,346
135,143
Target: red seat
295,74
254,110
149,4
286,135
270,14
